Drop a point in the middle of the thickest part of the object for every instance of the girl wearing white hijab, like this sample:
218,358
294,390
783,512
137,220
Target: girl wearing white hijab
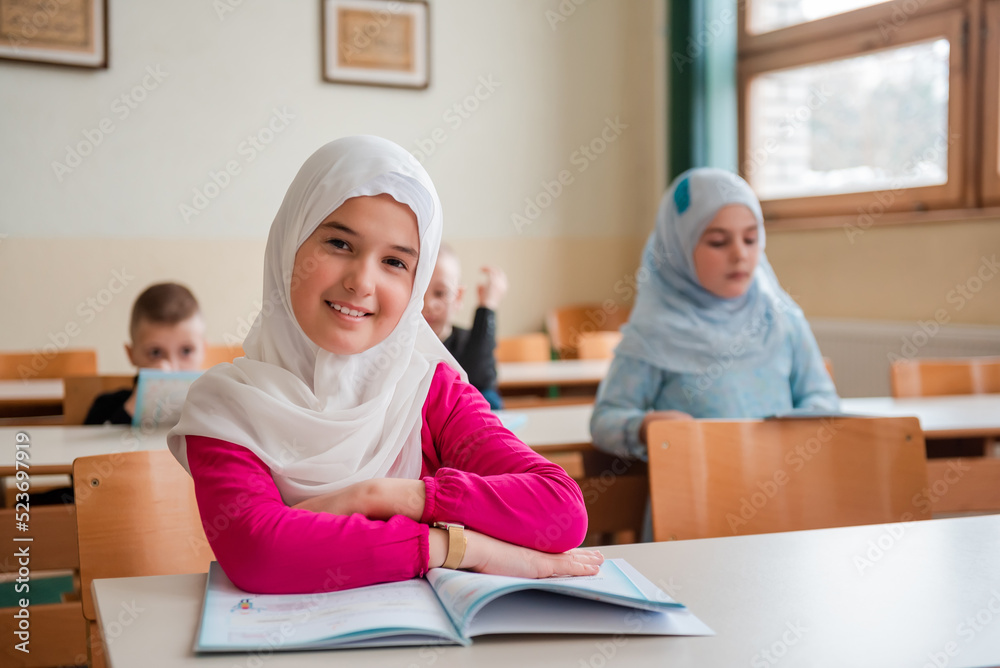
322,459
712,334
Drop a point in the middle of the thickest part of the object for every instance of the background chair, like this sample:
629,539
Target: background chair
937,377
220,355
566,324
80,392
17,366
58,629
525,348
598,345
136,515
712,478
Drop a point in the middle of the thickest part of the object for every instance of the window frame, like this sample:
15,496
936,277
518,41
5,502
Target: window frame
838,37
990,165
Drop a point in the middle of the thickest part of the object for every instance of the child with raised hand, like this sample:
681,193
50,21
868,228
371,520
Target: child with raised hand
167,332
324,458
712,333
472,348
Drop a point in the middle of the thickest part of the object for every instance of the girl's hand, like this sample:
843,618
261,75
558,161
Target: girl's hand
485,554
659,415
377,499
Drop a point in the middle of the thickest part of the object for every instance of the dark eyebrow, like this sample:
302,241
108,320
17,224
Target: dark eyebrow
340,227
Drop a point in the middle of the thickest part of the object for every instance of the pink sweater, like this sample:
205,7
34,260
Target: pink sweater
476,473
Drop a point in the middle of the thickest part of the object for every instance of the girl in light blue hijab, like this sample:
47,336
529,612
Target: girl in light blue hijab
712,334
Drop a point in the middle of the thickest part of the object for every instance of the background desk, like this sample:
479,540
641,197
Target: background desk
832,597
53,449
28,398
529,383
961,416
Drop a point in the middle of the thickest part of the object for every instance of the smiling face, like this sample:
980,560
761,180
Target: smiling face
727,252
353,276
168,347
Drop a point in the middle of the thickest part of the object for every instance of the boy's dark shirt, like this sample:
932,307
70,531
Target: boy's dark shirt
473,349
110,407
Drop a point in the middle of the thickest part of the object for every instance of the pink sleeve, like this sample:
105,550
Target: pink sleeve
265,547
485,478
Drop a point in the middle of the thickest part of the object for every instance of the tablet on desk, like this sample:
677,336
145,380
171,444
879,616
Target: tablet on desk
160,396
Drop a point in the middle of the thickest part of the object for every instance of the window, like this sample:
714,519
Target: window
850,106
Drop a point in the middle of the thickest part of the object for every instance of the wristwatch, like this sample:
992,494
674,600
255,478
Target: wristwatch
456,543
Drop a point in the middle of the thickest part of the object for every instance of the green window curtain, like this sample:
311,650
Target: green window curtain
701,84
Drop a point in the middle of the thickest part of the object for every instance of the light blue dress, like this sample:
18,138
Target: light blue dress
686,349
795,378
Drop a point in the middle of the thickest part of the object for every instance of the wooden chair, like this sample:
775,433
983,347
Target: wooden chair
525,348
58,630
18,366
566,324
80,392
937,377
136,515
711,478
598,345
221,355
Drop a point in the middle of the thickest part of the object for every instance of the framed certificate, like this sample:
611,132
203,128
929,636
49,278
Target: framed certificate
376,42
63,32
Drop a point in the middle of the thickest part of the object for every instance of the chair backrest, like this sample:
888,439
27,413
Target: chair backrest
525,348
80,392
598,345
220,355
18,366
566,324
136,515
936,377
711,478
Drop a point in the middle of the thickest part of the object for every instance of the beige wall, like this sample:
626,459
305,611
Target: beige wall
946,271
553,87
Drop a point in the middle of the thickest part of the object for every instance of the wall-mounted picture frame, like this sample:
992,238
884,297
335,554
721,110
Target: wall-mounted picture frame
376,42
60,32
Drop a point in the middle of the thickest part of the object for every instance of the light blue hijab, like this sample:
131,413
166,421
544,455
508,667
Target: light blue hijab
676,324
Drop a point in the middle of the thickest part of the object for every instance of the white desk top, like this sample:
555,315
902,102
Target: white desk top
556,372
48,389
881,595
53,449
941,417
549,426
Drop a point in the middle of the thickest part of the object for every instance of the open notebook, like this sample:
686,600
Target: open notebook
447,608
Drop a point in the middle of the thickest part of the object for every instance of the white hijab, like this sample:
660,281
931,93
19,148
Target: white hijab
318,420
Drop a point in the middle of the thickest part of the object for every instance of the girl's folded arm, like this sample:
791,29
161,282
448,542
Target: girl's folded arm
267,547
811,385
625,396
486,478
